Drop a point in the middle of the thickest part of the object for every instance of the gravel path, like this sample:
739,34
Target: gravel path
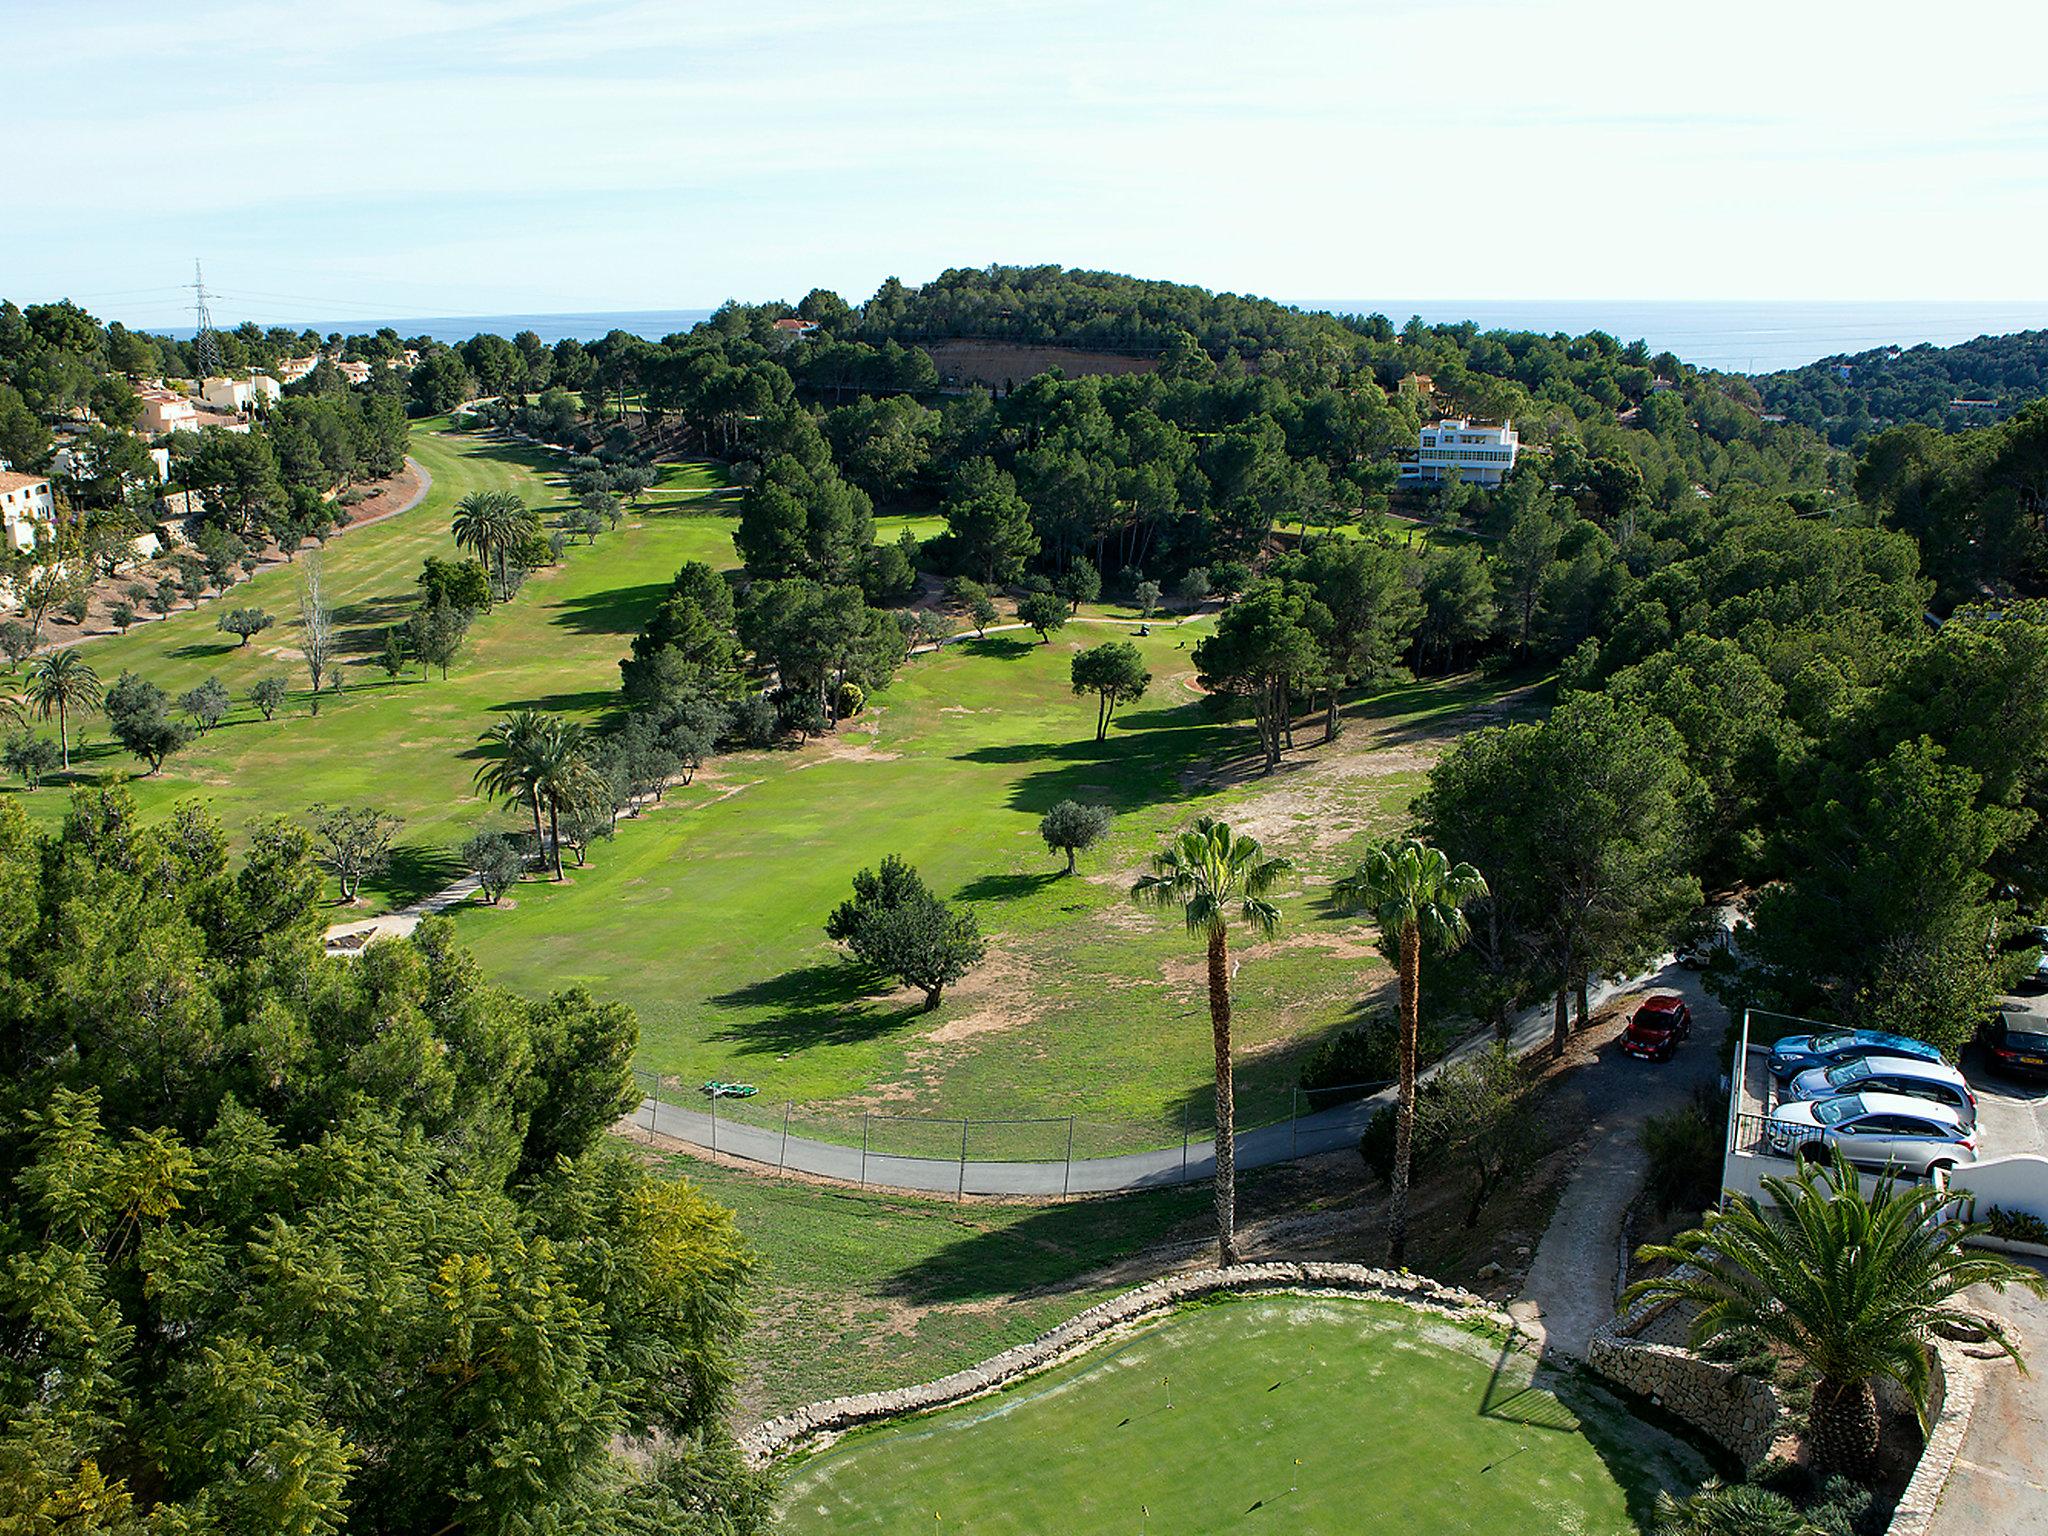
1571,1283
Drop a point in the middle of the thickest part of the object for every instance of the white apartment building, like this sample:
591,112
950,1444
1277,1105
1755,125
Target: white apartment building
26,507
1474,452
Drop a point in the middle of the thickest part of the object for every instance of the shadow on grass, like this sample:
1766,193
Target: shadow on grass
191,650
824,1004
1006,887
416,871
554,703
996,647
1056,1248
616,611
1140,764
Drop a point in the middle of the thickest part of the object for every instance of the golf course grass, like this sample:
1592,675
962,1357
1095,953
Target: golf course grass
1313,1416
706,913
407,746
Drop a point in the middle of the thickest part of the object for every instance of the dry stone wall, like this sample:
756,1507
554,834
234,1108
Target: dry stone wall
1738,1413
1152,1299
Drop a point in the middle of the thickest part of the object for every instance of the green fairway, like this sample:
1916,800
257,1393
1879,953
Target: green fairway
407,747
1294,1414
706,913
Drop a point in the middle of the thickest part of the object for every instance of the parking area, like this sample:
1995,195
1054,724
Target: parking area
2012,1112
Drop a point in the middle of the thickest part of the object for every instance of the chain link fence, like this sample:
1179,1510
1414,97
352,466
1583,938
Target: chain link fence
1039,1155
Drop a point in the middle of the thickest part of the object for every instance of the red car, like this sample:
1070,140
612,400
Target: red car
1658,1026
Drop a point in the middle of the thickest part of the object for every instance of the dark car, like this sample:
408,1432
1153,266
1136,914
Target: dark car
2017,1052
1658,1026
1801,1053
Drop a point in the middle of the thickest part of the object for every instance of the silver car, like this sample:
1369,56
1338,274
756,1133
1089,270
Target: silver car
1916,1079
1874,1130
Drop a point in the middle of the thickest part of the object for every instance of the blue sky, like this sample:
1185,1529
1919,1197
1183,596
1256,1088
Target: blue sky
395,158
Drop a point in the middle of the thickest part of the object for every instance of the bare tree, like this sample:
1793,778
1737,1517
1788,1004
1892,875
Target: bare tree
317,637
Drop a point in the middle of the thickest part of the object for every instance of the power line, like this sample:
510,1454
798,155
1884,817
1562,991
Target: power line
209,347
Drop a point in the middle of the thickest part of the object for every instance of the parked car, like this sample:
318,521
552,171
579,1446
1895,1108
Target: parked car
1801,1053
2041,964
1659,1024
2019,1052
1935,1081
1874,1130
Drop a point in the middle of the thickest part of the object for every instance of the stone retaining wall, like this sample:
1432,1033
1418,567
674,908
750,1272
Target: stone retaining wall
1152,1299
1951,1394
1738,1413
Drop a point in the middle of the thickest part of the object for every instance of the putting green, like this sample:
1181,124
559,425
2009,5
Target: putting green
1296,1414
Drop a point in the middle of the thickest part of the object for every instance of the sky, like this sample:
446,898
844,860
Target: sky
411,158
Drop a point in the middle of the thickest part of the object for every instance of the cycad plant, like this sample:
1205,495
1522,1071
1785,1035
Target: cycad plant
1851,1284
1417,896
1212,875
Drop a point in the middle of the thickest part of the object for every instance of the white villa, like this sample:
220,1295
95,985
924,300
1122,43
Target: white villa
239,394
1475,452
26,506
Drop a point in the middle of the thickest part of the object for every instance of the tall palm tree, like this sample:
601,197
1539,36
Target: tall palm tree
58,684
1849,1283
1211,874
563,776
511,775
1417,896
544,762
476,522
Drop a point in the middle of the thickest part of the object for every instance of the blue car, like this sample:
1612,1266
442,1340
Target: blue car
1802,1053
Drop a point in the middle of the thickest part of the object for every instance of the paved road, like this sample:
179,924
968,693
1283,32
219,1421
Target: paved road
1328,1131
2000,1481
1569,1291
2012,1112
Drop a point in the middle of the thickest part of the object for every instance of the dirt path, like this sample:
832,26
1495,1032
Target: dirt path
1571,1283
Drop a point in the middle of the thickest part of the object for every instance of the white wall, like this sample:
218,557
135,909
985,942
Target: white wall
2017,1183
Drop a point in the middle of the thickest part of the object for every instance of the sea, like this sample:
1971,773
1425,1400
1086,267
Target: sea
1734,337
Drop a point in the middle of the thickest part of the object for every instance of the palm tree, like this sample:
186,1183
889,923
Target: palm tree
1415,894
59,683
544,762
511,774
1740,1509
491,523
562,776
1849,1283
1212,873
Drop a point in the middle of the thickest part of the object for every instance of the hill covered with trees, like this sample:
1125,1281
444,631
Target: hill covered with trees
1848,399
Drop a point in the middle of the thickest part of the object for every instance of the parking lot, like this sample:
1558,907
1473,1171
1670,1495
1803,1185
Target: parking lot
2011,1112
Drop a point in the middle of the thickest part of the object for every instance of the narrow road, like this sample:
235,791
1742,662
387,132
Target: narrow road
758,1139
1569,1291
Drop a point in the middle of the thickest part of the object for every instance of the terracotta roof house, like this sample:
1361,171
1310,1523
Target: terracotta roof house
26,506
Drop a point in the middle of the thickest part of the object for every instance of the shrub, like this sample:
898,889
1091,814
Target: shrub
2015,1226
1363,1057
852,699
1684,1148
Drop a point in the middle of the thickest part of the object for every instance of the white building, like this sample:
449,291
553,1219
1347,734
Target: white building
26,507
1474,452
239,394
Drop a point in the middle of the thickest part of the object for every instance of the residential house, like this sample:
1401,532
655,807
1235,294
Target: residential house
290,370
791,326
165,410
226,394
1473,451
356,372
26,506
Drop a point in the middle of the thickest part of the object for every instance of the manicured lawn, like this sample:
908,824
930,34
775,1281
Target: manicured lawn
407,747
706,913
860,1292
1296,1414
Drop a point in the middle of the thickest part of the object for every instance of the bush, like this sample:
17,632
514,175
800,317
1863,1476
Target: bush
1684,1149
852,699
2015,1226
1366,1056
